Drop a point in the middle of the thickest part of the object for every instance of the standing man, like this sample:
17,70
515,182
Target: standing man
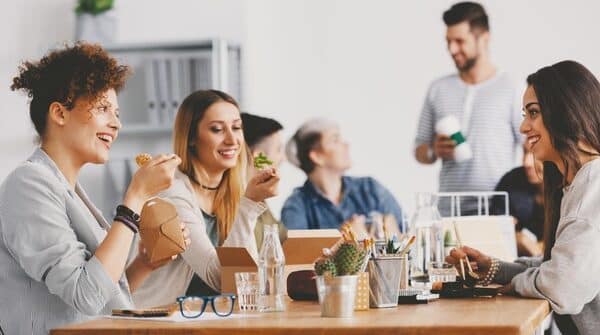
483,99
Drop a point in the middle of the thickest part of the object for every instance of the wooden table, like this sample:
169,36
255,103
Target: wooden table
500,315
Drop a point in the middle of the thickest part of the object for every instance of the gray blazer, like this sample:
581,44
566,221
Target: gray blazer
48,236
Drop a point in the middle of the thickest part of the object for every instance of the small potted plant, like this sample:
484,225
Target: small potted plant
95,21
337,271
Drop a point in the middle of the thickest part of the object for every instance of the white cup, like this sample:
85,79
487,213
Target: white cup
450,126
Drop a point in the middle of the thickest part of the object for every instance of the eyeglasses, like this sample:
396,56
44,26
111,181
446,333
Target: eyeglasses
192,307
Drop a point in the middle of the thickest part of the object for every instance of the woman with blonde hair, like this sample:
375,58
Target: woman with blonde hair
210,194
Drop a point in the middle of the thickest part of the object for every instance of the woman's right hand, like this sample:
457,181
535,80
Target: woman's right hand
263,185
151,178
480,262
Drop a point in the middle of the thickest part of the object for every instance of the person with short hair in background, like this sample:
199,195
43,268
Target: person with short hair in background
483,100
263,136
329,198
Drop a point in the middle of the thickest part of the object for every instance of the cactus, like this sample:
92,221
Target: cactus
324,266
347,259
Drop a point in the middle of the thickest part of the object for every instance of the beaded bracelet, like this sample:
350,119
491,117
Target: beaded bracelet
491,273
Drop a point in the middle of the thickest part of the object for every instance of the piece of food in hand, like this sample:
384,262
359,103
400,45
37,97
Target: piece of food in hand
261,161
142,159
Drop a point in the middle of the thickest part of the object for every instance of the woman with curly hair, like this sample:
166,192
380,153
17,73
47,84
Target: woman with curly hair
61,260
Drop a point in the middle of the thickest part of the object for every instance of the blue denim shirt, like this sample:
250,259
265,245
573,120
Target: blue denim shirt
307,208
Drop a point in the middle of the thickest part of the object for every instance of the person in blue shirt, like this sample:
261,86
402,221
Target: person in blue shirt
328,198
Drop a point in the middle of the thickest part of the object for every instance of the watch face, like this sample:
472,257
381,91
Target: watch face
126,211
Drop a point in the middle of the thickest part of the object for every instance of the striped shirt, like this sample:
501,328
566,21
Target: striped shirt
489,113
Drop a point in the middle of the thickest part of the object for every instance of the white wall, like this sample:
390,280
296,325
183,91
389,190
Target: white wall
368,64
179,20
364,63
27,30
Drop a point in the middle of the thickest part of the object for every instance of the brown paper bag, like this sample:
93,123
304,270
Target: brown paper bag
160,230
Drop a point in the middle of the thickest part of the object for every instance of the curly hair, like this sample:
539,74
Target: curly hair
65,75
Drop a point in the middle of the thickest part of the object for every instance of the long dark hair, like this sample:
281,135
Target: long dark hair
569,98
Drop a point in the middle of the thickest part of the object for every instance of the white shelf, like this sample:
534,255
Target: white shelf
143,129
167,46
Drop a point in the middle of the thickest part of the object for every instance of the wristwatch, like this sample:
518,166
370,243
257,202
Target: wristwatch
128,217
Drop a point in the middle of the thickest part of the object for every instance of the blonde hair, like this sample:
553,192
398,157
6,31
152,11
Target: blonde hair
231,188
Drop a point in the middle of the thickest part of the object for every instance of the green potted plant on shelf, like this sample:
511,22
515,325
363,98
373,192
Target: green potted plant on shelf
96,21
93,7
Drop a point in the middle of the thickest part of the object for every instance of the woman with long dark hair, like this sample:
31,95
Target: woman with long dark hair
562,124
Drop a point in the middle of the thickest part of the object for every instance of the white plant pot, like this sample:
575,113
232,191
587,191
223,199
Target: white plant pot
101,28
337,295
